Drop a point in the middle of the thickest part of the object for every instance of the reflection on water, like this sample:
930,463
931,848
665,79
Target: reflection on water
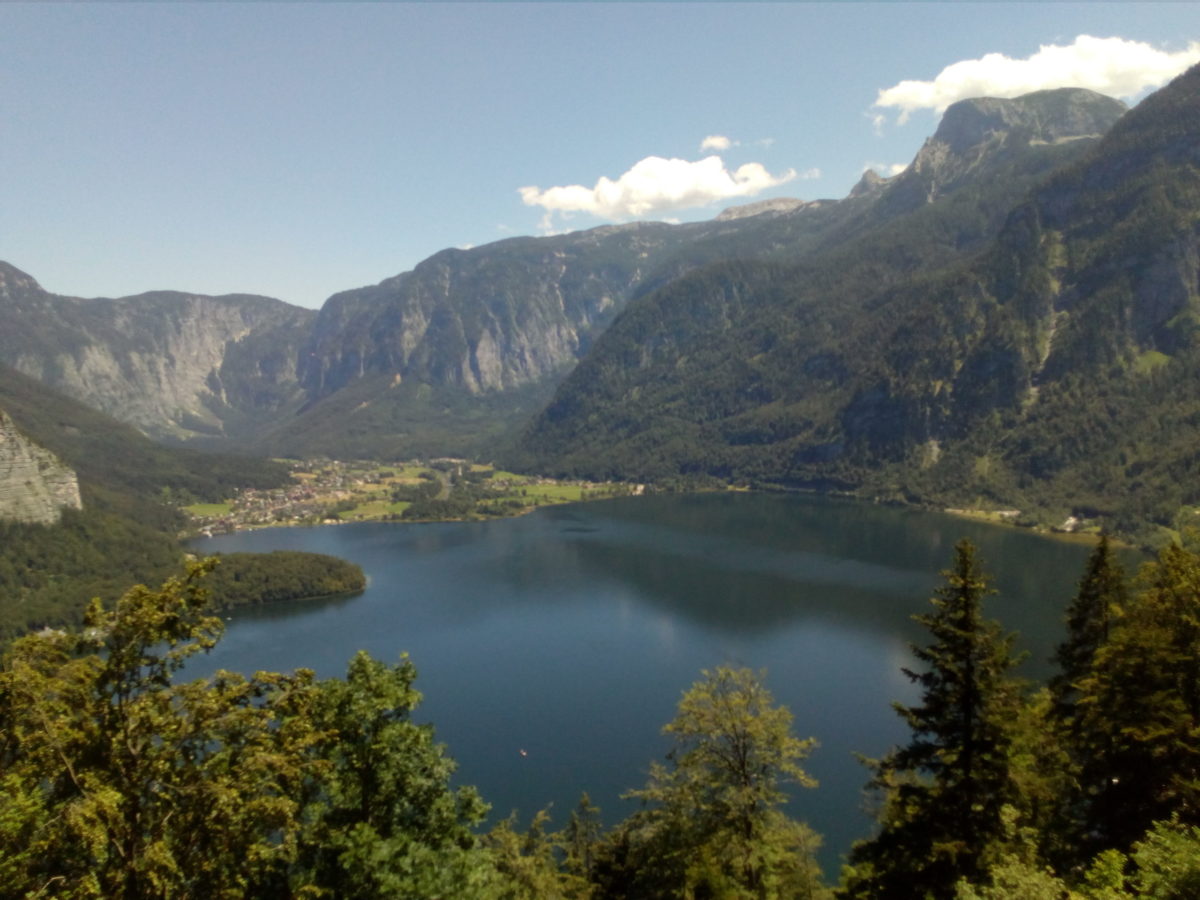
572,632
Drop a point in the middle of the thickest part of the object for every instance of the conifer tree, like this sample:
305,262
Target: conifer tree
1091,616
1098,601
943,793
1140,710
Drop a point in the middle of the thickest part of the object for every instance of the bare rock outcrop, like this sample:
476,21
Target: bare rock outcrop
35,486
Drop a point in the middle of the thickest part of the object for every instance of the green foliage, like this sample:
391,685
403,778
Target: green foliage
384,822
1140,709
944,792
1100,598
247,579
121,782
127,785
712,823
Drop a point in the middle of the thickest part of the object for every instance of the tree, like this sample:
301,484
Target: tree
581,837
119,782
1140,710
1097,603
943,793
712,823
385,821
122,783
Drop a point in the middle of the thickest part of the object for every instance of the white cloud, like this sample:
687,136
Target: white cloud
716,142
656,185
1112,66
887,170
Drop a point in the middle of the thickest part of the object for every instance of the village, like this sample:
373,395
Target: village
331,492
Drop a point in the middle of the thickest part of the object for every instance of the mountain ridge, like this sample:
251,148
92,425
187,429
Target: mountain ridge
462,348
932,385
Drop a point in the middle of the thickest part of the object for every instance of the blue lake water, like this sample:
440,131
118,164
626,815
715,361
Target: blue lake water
570,633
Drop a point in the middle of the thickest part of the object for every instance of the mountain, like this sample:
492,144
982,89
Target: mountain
455,355
175,365
35,486
1049,365
82,510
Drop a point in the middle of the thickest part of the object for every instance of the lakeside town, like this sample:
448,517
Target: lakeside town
330,492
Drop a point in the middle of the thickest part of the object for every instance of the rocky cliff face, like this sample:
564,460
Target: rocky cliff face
478,335
493,318
173,364
34,485
860,352
976,132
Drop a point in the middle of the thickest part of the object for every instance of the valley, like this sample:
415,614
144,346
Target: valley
331,492
1005,324
774,409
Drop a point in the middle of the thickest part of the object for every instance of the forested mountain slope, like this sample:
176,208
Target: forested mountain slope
122,531
34,484
455,354
1051,368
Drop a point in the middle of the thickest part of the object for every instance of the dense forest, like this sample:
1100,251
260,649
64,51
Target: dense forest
122,780
252,579
129,525
1028,341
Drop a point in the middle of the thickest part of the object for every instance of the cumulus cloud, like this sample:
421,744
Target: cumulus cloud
656,185
887,170
1112,66
716,142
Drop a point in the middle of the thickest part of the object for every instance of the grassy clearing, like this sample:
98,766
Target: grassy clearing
210,509
553,493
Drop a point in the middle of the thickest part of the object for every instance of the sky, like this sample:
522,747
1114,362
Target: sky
300,149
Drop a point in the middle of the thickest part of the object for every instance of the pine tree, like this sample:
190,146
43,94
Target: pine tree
1091,616
943,793
1140,710
1100,597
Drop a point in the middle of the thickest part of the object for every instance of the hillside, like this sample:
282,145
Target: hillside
175,365
453,356
119,527
34,484
1047,368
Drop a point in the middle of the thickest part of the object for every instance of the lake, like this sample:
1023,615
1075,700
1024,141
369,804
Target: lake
570,633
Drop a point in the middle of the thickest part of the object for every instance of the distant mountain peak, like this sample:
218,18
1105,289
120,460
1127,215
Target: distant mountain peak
13,279
777,206
870,183
1047,116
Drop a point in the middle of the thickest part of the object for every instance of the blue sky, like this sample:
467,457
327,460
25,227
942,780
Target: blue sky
295,150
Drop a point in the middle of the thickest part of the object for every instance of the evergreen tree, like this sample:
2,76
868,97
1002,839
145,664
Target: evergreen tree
1099,599
1091,616
1140,710
581,837
943,793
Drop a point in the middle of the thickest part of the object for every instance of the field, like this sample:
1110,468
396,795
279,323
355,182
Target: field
326,491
